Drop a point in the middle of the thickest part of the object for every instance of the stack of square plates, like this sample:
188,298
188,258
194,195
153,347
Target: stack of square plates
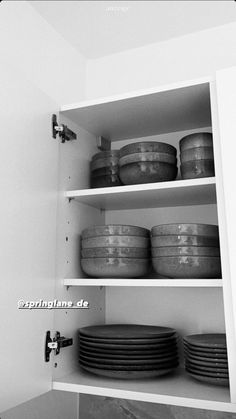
128,351
206,358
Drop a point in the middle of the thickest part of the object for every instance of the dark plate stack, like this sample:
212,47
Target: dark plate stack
186,250
147,162
128,351
104,169
115,251
196,156
206,358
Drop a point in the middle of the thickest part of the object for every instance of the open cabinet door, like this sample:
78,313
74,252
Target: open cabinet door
28,178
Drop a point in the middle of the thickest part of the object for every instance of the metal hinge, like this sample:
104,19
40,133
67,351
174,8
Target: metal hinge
64,132
55,344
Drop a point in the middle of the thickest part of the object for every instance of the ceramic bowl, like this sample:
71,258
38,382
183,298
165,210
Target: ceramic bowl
147,172
114,229
188,267
106,154
105,162
105,171
209,230
148,146
115,241
115,267
198,153
200,139
116,252
175,240
149,156
185,251
197,169
105,181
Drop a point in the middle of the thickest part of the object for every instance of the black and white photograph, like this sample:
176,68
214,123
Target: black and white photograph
118,209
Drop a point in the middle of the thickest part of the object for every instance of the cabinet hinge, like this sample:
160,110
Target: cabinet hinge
55,344
64,132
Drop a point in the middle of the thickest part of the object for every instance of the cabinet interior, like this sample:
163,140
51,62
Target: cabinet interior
188,309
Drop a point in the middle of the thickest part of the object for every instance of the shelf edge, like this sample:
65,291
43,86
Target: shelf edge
193,283
145,397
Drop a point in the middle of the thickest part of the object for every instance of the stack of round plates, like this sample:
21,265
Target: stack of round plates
128,351
206,358
186,250
104,169
147,161
115,251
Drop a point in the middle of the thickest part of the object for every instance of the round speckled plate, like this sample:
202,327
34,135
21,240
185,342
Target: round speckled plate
124,346
206,373
128,375
208,353
142,355
129,352
207,340
127,331
118,341
129,362
207,369
210,380
204,360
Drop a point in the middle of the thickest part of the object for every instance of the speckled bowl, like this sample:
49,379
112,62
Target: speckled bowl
175,240
200,139
193,229
185,251
198,153
105,181
115,241
147,172
106,154
148,146
105,162
197,169
114,229
115,267
188,267
149,156
116,252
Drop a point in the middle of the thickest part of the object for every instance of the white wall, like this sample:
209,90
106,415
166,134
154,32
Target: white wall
185,58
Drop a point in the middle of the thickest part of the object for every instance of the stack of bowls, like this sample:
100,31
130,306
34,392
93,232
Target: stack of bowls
206,358
128,351
196,156
115,251
186,250
104,169
147,162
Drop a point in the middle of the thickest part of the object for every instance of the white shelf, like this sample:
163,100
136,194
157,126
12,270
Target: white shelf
151,195
170,108
111,282
179,390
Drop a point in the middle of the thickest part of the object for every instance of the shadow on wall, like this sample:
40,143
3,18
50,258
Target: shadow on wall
94,407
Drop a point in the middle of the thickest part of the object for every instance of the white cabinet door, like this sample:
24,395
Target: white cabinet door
226,99
28,178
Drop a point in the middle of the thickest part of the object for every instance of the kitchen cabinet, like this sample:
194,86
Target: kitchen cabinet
165,114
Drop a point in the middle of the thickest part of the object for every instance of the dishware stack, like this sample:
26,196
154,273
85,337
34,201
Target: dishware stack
128,351
186,251
206,358
115,251
196,156
104,169
147,162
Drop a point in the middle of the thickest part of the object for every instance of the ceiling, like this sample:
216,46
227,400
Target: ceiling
99,28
